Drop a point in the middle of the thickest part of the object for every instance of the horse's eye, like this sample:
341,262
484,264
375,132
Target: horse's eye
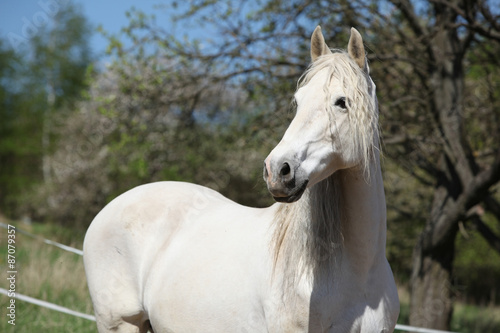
340,102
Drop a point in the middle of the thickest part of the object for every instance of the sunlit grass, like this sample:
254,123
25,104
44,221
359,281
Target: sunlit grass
465,318
474,319
50,274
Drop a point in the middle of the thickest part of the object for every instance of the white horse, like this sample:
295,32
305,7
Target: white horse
177,257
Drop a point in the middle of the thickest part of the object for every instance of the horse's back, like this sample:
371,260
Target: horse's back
159,245
157,209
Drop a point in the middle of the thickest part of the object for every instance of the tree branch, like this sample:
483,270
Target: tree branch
473,193
408,11
485,231
492,31
479,186
492,206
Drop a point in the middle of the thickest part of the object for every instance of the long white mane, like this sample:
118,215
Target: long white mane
308,232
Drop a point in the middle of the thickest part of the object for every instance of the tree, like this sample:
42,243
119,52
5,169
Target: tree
461,172
16,150
40,84
137,125
60,57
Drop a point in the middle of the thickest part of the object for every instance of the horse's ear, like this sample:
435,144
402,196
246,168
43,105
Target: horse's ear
318,45
356,49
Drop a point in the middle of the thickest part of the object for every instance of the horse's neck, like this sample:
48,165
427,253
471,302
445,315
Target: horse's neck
363,216
339,220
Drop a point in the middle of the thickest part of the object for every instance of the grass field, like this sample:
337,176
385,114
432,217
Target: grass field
465,319
53,275
46,273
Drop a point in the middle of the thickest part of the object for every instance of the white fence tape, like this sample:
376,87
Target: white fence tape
407,328
46,241
62,309
48,305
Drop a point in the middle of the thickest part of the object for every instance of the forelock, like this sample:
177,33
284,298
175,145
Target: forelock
357,87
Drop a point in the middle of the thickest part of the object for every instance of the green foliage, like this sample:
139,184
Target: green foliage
465,318
472,319
407,207
60,56
477,266
38,85
19,131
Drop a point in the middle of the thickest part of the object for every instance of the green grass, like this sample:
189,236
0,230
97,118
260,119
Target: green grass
465,318
46,273
53,275
32,318
473,319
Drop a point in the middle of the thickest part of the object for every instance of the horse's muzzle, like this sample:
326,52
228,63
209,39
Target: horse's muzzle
283,181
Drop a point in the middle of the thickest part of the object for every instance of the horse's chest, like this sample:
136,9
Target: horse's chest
296,309
326,307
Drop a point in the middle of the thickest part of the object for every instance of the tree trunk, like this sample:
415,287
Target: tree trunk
431,303
47,119
431,294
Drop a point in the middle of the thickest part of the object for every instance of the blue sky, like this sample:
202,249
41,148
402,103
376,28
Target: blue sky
16,15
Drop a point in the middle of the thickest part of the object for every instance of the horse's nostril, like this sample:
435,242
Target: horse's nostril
285,169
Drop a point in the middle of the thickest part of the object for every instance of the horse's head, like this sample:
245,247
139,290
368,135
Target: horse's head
335,125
